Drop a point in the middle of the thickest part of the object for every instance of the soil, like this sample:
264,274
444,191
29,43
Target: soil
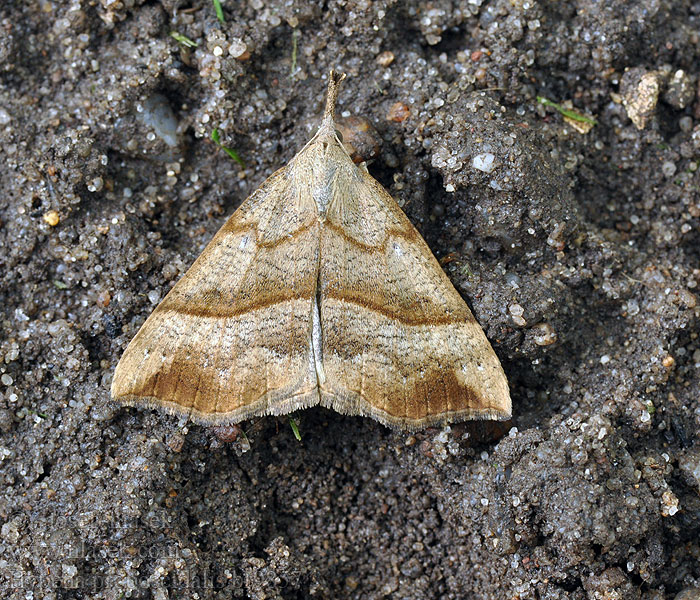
576,244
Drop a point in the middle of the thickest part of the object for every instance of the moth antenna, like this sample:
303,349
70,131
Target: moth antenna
334,80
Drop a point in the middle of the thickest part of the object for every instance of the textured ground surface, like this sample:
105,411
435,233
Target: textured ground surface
579,253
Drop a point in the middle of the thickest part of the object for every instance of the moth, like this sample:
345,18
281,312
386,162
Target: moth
318,290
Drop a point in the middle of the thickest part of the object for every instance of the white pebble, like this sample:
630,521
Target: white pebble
544,334
484,162
516,309
668,168
516,313
237,48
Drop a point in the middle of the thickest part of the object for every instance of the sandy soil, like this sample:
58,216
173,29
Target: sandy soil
578,252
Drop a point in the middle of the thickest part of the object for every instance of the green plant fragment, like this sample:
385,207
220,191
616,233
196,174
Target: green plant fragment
183,39
230,151
295,429
571,114
219,10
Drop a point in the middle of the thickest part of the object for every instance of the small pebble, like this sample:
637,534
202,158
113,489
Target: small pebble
176,442
398,112
6,379
680,90
545,334
516,314
52,218
640,95
669,504
484,162
360,139
385,58
103,298
668,168
227,433
95,184
238,49
159,116
12,354
632,308
687,299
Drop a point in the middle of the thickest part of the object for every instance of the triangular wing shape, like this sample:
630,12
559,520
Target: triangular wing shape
232,338
317,289
399,343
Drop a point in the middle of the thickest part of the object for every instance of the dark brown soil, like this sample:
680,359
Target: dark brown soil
587,240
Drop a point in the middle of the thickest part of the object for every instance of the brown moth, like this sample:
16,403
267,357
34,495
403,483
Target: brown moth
318,290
